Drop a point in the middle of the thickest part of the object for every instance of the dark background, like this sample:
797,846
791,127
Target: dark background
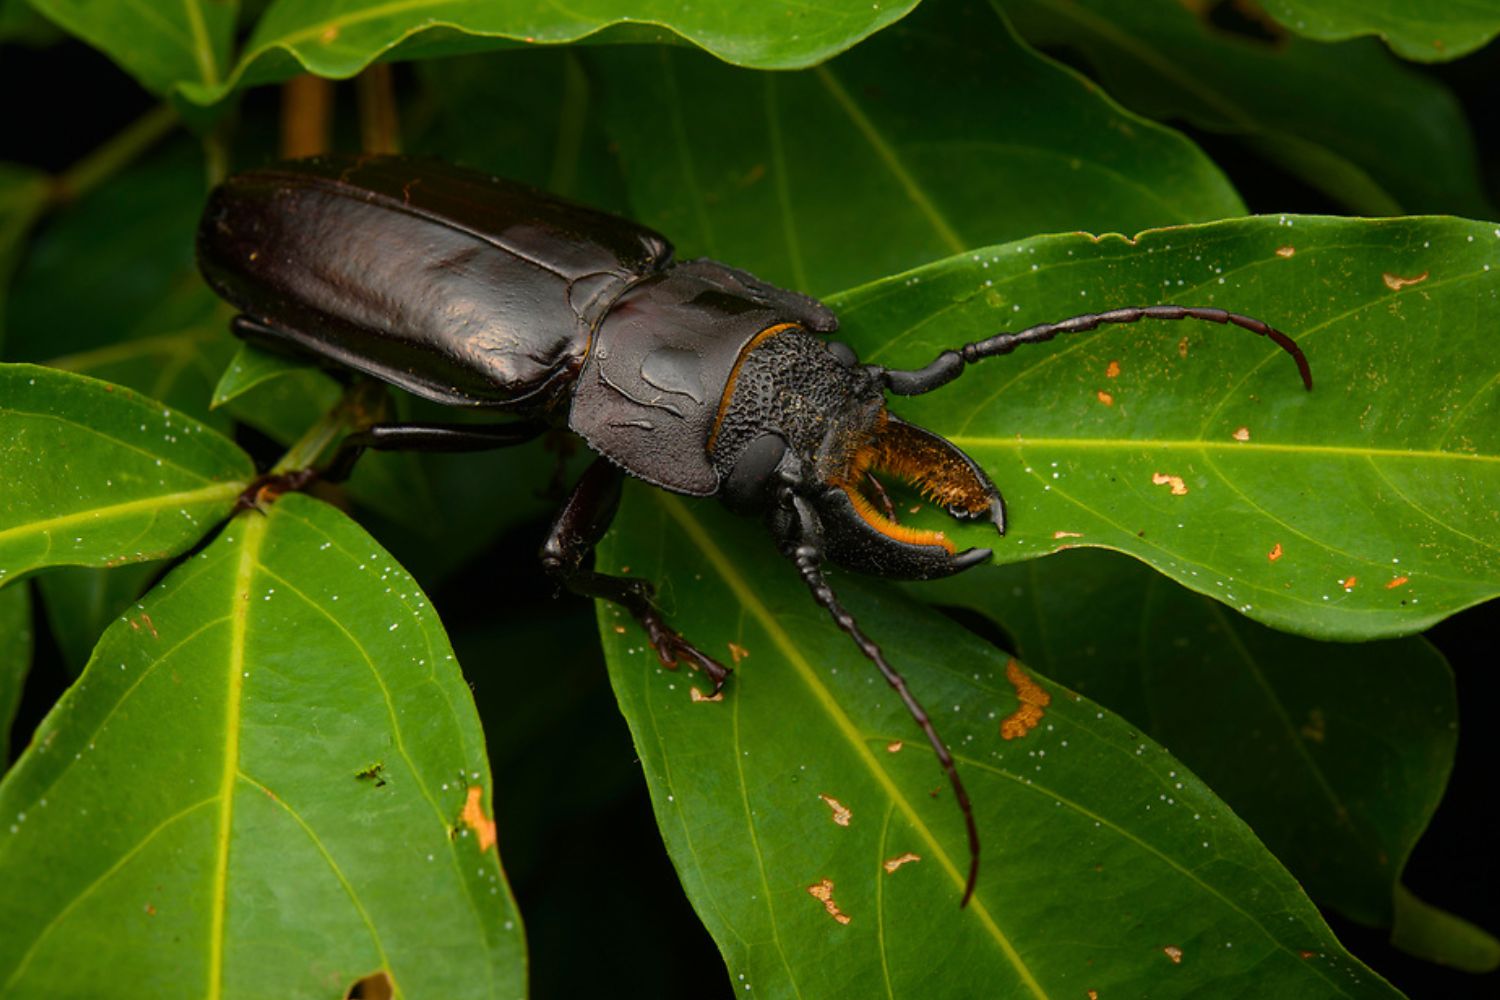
571,801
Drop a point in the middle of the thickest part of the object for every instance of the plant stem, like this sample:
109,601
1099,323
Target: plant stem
362,405
379,130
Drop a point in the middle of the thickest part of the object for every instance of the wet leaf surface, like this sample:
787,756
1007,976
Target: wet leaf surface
238,771
1365,508
819,841
1336,754
92,474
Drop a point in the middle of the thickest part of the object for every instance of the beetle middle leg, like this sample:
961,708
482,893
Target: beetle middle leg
579,525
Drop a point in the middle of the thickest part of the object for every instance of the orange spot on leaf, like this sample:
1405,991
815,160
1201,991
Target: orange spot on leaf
1179,488
894,746
1182,347
1241,434
841,813
1093,995
823,892
1400,581
697,695
1033,702
474,818
1348,583
329,34
891,864
1067,534
1275,552
1174,953
1285,251
1105,398
1395,282
738,652
1113,371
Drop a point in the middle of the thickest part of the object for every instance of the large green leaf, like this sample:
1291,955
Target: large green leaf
117,262
1107,865
160,44
293,785
1349,119
93,474
23,195
942,133
15,658
19,22
177,368
1335,754
1428,31
1365,508
338,38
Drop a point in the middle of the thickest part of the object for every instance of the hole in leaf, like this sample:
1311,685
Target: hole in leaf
376,986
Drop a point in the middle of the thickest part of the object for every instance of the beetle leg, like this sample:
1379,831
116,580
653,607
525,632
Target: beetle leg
578,527
806,550
950,364
429,437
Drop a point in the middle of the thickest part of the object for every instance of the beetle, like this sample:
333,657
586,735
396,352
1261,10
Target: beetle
693,376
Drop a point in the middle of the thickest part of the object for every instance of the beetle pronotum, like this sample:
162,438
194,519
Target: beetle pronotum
692,376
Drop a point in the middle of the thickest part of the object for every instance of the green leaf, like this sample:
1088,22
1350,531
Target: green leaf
942,133
15,659
20,23
116,263
81,601
1363,509
1335,754
284,748
1430,31
1183,899
249,368
1349,119
177,368
543,122
94,475
23,196
338,38
160,44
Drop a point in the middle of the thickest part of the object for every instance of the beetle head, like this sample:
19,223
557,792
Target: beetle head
801,416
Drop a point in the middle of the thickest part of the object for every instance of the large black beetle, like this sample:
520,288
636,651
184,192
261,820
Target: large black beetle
692,376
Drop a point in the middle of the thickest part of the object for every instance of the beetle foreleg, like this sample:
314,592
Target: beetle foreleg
579,525
950,364
807,553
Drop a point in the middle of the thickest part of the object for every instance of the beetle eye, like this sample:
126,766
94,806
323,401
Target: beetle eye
843,352
747,487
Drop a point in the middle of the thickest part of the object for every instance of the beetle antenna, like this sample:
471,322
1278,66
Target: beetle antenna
808,555
950,364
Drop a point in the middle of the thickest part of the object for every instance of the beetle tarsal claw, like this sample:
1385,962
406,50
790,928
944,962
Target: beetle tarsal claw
672,649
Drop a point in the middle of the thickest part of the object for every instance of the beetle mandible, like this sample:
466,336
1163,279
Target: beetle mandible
693,375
